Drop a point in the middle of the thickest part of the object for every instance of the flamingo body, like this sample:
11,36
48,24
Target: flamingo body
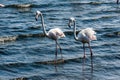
55,33
86,35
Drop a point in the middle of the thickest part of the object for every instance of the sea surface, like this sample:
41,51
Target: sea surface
26,54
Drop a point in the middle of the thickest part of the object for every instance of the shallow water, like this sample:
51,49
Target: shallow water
24,50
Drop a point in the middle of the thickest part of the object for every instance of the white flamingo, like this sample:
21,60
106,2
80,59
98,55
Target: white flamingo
53,34
84,36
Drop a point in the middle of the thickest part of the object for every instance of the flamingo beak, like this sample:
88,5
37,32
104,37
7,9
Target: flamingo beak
36,17
117,1
69,24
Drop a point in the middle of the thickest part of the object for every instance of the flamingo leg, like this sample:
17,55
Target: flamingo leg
84,49
60,50
90,49
91,64
56,53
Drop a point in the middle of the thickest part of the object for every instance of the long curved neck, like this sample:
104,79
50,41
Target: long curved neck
75,36
44,30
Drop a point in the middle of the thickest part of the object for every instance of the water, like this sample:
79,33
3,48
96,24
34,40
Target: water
25,53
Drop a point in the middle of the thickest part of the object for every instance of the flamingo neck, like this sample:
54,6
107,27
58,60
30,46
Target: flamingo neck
75,36
44,29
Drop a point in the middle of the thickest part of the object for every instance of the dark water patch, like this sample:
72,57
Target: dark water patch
111,11
30,35
64,61
29,78
110,44
90,20
20,64
71,32
108,32
3,52
34,27
112,34
14,65
21,78
101,18
89,3
107,57
41,5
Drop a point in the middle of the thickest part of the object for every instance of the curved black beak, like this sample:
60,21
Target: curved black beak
117,1
69,24
36,17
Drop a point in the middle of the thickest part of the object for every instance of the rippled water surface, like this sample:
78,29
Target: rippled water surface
25,54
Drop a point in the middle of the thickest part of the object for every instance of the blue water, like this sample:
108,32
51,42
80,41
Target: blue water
25,53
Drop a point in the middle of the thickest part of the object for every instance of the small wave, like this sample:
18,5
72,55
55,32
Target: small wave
59,61
8,38
92,3
20,78
95,3
98,18
49,5
20,5
111,44
30,35
27,5
21,36
29,78
113,34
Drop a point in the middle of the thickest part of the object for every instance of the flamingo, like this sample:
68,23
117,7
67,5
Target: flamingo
117,1
53,34
84,36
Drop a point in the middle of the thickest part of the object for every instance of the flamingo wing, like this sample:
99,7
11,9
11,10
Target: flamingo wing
55,33
87,35
90,33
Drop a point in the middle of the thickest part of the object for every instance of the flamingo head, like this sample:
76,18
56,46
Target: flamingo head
38,13
71,20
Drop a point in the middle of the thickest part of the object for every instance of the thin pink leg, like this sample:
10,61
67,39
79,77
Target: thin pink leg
84,49
90,49
56,53
60,50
